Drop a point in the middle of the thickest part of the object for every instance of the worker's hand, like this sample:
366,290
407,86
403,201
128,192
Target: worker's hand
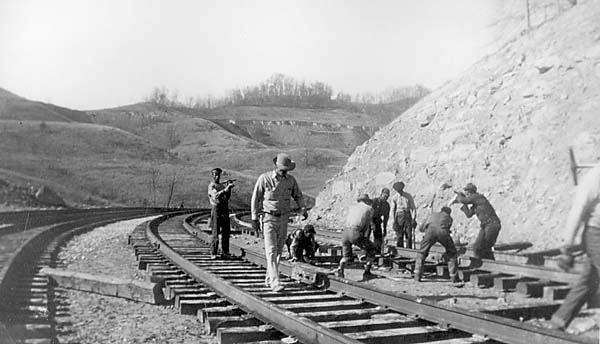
414,224
304,213
566,261
256,226
293,259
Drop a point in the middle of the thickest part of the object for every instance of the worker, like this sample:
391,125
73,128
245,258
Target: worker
271,199
475,203
437,229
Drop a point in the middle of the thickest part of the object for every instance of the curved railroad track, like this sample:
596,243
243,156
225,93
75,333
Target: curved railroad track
231,299
30,240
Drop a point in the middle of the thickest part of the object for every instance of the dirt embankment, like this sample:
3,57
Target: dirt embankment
505,124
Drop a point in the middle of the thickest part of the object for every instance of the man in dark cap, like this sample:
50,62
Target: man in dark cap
218,196
437,229
404,214
475,203
381,209
301,244
358,221
271,203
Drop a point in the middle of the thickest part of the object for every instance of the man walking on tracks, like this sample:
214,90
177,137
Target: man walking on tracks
437,229
271,197
585,212
218,196
475,203
381,215
360,218
404,215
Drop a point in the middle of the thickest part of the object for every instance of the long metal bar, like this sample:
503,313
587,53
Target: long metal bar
492,326
305,330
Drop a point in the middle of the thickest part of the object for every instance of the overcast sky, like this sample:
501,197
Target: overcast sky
87,54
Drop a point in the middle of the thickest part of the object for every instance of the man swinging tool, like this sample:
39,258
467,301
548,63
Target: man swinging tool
584,213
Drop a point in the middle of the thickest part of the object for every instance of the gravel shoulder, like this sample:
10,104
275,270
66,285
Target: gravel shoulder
91,318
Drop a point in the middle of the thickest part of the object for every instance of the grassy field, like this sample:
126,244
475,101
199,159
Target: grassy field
134,154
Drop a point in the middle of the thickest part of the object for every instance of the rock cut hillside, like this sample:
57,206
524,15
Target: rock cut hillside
505,124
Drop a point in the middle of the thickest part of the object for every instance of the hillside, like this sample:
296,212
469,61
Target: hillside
15,107
505,124
90,164
246,138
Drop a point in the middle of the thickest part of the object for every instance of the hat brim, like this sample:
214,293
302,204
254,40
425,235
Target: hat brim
285,167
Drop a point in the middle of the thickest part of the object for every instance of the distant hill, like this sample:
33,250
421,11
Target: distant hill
15,107
131,155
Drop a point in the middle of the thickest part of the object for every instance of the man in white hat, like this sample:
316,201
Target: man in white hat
271,198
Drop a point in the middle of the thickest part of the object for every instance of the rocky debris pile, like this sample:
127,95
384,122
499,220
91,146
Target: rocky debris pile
505,124
15,196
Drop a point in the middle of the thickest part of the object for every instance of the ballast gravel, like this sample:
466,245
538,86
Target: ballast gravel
84,318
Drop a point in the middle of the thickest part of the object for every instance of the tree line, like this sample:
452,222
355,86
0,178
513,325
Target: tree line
285,91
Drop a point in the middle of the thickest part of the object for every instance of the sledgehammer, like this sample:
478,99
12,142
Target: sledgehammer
575,167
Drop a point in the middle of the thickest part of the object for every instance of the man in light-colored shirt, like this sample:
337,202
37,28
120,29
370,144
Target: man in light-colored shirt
584,213
358,221
218,197
271,205
404,215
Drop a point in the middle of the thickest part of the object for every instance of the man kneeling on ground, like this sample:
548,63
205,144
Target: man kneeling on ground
359,220
301,244
437,229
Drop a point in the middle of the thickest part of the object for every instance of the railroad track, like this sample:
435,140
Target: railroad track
230,298
30,241
532,275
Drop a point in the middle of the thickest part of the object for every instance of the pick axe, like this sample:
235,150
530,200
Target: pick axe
575,167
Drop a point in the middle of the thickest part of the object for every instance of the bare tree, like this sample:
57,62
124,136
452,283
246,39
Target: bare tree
171,189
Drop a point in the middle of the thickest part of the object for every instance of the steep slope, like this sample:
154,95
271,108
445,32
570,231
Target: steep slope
15,107
505,124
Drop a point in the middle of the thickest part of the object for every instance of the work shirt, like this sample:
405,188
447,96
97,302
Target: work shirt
381,209
360,216
480,207
273,193
402,202
437,221
218,196
586,204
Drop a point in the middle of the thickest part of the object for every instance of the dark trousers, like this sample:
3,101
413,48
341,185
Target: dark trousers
377,236
486,239
585,287
403,228
220,225
431,237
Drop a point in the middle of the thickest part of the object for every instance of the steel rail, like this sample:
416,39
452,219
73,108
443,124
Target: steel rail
503,266
302,328
488,325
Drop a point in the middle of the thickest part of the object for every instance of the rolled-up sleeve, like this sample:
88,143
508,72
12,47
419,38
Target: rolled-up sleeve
257,197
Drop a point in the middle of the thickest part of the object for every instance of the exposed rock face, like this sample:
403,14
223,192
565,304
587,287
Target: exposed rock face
505,125
47,196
